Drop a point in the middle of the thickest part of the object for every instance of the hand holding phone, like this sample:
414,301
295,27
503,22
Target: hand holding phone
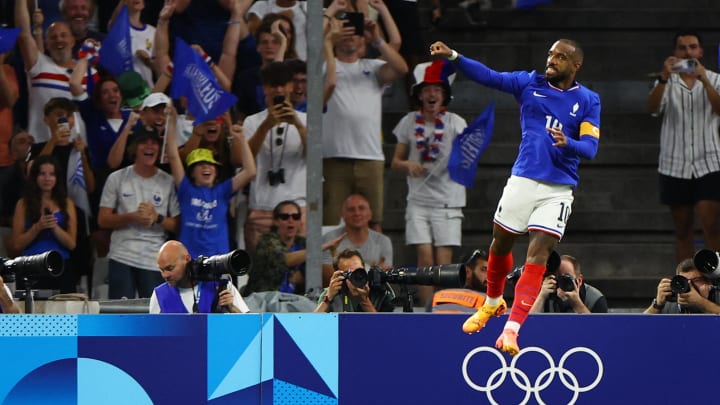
278,100
684,65
63,124
355,20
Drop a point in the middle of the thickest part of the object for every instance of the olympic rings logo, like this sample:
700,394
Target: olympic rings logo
521,379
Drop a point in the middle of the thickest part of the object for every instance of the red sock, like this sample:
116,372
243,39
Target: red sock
526,290
498,269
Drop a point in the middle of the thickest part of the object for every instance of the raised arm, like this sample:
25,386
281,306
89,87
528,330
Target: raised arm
28,47
332,30
176,166
395,67
161,46
9,91
394,38
247,174
80,71
237,30
222,79
117,152
656,94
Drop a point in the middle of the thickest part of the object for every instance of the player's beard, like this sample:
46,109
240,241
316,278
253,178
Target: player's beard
557,78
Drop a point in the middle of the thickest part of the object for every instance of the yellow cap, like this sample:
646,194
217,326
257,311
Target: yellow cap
201,155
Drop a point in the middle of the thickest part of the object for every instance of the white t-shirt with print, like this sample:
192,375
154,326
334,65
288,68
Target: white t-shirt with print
137,245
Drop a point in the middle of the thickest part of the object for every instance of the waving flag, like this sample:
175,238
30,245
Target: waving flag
116,52
192,78
469,145
76,187
8,37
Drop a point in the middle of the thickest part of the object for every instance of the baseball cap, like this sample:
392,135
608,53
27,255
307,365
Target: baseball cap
133,88
155,99
200,155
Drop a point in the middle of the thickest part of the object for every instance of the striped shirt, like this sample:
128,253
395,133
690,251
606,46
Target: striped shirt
689,144
47,80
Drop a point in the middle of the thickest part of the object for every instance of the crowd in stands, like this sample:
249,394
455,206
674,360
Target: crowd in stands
95,164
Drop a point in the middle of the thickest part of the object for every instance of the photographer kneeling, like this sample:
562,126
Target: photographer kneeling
181,293
348,293
565,292
689,296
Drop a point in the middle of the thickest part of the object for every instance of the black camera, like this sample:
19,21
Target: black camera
442,275
566,282
707,261
678,285
553,263
48,264
235,263
276,177
358,277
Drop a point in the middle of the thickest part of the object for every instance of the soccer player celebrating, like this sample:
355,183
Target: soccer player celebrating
560,123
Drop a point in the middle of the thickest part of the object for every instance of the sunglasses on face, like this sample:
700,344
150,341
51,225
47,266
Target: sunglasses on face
285,216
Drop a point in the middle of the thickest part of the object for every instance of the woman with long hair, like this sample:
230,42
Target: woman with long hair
45,220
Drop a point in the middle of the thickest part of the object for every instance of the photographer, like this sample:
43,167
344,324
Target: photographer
472,296
686,96
182,294
697,299
7,305
344,296
565,292
277,137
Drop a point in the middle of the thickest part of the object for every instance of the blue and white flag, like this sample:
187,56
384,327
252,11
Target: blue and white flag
469,145
116,52
76,186
193,78
8,37
527,4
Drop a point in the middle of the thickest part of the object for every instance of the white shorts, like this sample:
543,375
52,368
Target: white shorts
531,205
438,226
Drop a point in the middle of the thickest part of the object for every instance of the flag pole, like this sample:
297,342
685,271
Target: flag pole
163,154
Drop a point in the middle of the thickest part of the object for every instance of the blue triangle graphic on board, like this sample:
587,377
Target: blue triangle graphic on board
285,393
292,366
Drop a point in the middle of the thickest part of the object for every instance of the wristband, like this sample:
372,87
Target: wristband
656,305
233,22
453,55
661,80
160,218
377,43
169,68
207,58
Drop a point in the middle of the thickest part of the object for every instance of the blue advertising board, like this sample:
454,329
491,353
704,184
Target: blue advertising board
354,359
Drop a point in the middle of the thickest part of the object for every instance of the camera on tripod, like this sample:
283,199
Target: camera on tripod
204,268
276,177
43,265
441,275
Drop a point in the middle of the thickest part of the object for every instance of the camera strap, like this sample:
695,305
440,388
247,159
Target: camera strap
278,129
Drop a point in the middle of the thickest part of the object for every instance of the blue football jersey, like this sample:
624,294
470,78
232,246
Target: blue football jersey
576,111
